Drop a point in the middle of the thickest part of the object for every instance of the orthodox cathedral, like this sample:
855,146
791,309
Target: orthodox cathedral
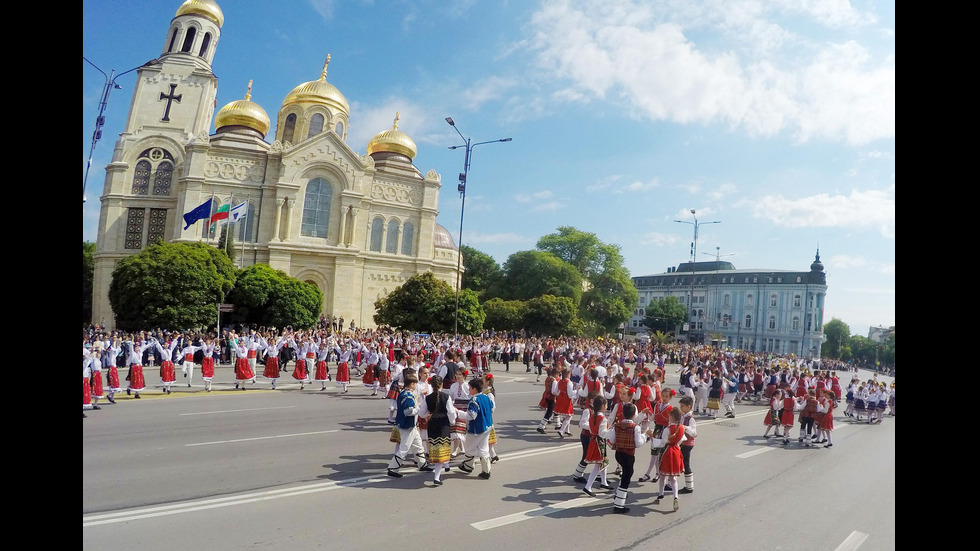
355,225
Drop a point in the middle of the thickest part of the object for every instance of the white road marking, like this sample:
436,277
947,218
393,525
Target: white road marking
852,542
754,452
234,410
260,438
531,513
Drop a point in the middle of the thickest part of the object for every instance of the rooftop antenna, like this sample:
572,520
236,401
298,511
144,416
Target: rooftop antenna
718,254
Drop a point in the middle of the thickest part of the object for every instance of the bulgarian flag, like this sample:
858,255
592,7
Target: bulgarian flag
221,215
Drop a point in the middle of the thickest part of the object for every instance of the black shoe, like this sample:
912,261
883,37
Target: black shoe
111,401
621,510
541,430
643,478
588,491
494,459
96,407
127,392
605,486
395,474
484,475
668,488
465,469
437,482
659,497
686,491
579,479
137,396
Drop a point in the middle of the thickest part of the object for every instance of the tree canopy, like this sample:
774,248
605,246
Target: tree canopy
481,271
532,274
88,275
270,297
664,314
427,304
176,285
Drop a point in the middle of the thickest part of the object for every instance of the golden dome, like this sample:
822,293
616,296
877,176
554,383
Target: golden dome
243,112
318,91
206,8
393,141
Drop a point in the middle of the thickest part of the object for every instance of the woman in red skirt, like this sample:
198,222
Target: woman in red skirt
243,369
672,461
343,366
167,373
134,358
825,406
271,370
207,362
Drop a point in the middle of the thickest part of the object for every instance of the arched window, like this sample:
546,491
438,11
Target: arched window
162,179
377,228
772,299
796,324
339,129
391,246
289,128
796,301
204,44
408,236
189,40
748,322
141,178
173,40
772,322
245,227
316,208
316,125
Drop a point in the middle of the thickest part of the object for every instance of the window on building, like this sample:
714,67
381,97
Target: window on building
746,279
339,129
799,279
796,301
779,280
391,246
749,300
155,164
748,322
377,229
727,300
173,40
289,128
772,322
755,280
157,227
134,228
189,40
408,237
204,44
141,178
772,299
796,323
316,208
162,178
316,125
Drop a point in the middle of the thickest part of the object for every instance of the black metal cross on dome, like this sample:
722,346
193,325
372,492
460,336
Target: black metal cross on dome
170,99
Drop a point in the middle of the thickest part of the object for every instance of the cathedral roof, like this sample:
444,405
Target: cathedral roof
393,141
243,112
318,91
206,8
442,239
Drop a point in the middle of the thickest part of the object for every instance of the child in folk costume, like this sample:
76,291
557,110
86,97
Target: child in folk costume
716,390
702,391
825,410
459,391
661,419
491,392
627,436
187,352
479,417
643,399
851,389
594,419
395,389
771,420
440,414
548,401
728,398
322,372
109,356
891,400
343,365
271,351
860,399
301,371
807,418
790,404
835,385
687,446
370,357
423,389
882,402
93,366
563,389
672,462
86,384
207,362
243,369
134,358
167,374
407,423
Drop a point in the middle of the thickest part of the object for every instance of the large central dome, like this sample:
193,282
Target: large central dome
319,91
243,112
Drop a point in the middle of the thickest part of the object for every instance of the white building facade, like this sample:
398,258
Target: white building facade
775,311
355,225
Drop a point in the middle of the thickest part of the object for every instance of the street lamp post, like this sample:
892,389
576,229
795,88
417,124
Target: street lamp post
462,194
110,84
694,252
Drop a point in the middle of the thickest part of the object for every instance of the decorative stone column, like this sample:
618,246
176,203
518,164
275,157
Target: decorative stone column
279,202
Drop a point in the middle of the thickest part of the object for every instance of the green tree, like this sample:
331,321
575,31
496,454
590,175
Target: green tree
531,274
266,296
88,276
425,303
171,285
660,338
837,334
226,241
665,314
481,271
551,315
580,249
504,315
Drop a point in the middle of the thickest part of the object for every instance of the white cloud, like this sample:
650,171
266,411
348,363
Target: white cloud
645,55
323,7
843,262
721,192
489,89
504,237
658,239
531,197
860,209
603,183
549,206
370,120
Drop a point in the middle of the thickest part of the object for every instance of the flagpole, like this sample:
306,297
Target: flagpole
207,224
241,260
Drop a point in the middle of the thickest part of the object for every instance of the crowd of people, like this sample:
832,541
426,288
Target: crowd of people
441,396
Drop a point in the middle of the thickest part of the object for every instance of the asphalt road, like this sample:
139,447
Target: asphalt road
294,470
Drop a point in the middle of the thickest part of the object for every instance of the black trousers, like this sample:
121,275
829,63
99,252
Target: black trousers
686,454
585,438
625,461
806,425
550,409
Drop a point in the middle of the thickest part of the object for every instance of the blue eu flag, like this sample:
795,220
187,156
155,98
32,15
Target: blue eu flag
203,211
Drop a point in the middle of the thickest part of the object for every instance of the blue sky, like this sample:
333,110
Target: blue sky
775,118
